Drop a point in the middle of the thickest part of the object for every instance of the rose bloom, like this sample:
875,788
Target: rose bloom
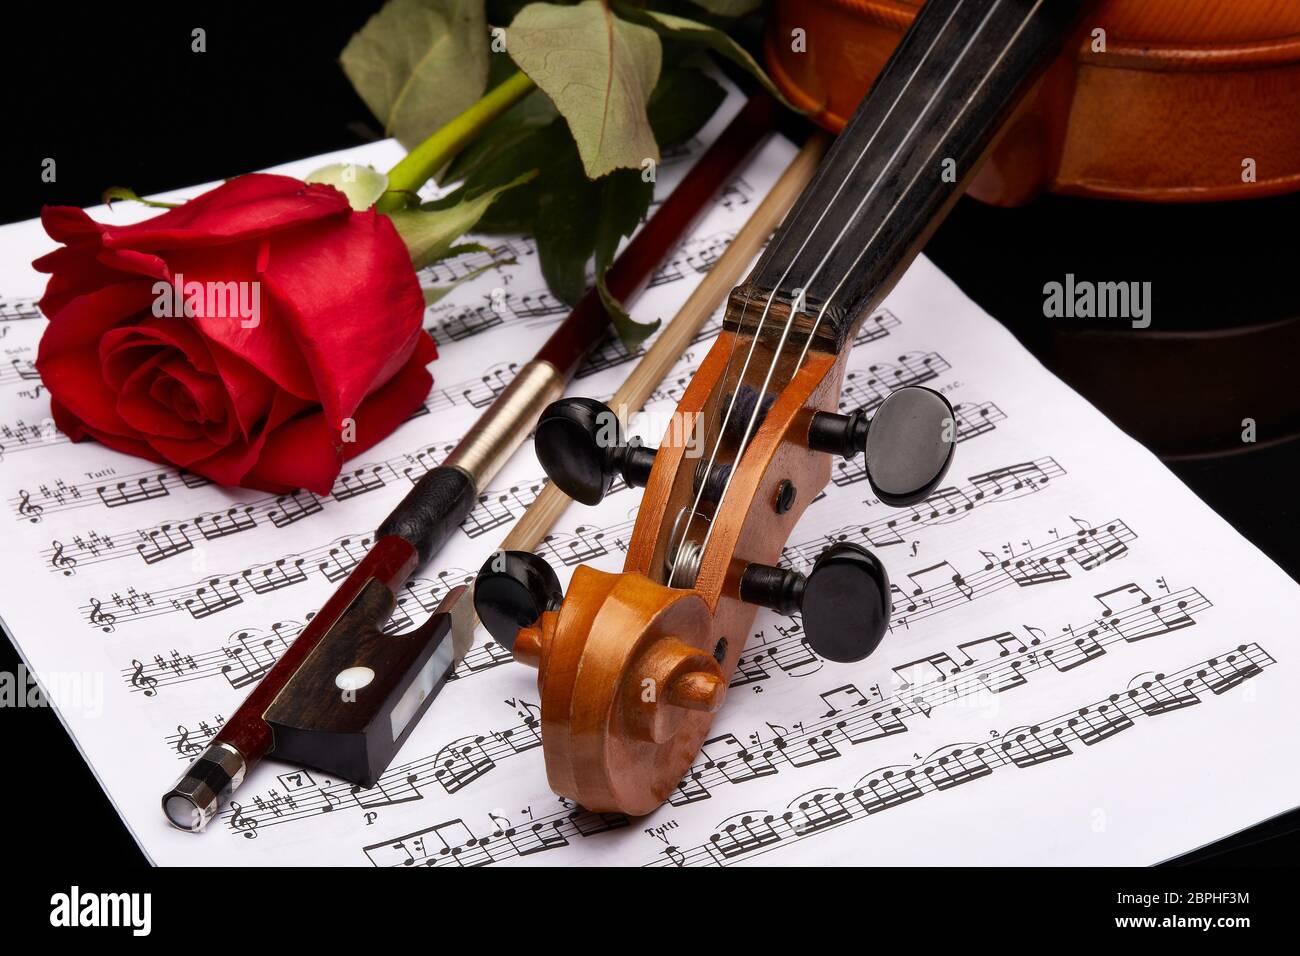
292,343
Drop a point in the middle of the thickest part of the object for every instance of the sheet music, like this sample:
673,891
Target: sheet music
1085,664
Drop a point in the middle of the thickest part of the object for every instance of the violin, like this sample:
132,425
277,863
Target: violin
1151,100
633,666
1151,109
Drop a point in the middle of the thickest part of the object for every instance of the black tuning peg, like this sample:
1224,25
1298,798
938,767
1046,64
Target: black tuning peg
580,444
511,591
844,600
909,443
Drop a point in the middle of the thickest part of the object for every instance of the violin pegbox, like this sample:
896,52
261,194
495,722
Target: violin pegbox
632,666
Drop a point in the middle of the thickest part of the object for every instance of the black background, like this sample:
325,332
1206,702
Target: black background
114,94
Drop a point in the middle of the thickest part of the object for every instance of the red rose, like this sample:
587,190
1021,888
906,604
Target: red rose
258,335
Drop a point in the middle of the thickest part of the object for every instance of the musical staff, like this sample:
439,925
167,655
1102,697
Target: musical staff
279,510
19,310
453,843
946,505
494,256
23,435
746,835
845,716
942,588
498,309
251,652
868,388
19,369
326,565
449,770
186,743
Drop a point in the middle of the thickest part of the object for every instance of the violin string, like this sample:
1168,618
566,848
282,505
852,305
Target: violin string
731,405
905,141
912,182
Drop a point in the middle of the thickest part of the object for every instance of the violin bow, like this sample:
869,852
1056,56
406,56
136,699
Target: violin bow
345,695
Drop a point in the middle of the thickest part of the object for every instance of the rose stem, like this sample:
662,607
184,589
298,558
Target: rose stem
419,164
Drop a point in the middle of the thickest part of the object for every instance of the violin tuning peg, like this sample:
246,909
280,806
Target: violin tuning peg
846,604
844,600
511,591
580,444
909,443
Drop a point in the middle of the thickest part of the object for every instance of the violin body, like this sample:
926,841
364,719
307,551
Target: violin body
1182,94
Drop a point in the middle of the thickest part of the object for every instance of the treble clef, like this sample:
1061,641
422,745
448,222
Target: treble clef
184,746
32,512
142,681
101,618
246,825
63,562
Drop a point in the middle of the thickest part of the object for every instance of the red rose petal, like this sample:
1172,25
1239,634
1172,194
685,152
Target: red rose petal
261,404
305,453
77,430
350,353
139,409
245,207
270,346
68,357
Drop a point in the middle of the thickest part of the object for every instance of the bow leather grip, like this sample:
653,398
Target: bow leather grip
432,510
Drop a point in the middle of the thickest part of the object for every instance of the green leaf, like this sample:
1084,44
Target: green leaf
506,137
565,227
361,184
692,32
430,234
113,193
630,332
729,8
577,218
682,103
550,151
624,198
419,63
599,71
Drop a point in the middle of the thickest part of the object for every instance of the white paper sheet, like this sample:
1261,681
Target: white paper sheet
1060,607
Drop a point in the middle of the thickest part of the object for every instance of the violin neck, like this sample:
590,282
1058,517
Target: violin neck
900,163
